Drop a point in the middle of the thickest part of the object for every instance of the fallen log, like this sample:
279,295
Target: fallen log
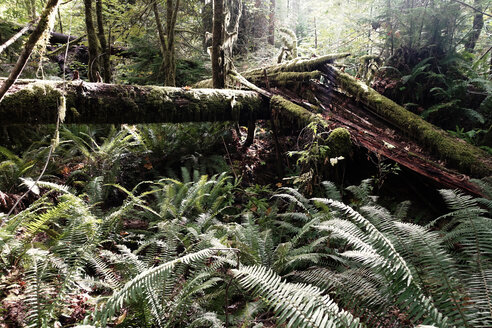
370,128
299,69
36,102
456,152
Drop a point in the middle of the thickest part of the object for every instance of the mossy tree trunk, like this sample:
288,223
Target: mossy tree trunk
456,152
44,22
106,52
166,39
476,28
93,64
218,60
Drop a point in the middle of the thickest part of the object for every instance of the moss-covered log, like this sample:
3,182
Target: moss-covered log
34,102
297,65
286,111
458,153
284,79
297,69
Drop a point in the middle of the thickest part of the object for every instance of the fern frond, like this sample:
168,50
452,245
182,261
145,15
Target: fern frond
297,305
148,277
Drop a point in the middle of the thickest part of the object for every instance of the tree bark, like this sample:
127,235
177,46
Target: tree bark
43,24
166,39
271,23
36,102
476,29
218,60
93,65
106,63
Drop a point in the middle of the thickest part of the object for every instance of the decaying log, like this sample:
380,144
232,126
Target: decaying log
457,153
298,116
374,129
369,131
35,102
297,65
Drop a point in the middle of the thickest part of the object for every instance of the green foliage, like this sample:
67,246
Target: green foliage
296,305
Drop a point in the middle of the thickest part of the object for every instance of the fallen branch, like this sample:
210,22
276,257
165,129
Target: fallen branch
46,16
64,47
16,37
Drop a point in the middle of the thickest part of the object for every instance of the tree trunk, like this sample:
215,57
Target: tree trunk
36,102
166,39
43,24
271,23
477,29
106,63
260,22
93,65
218,60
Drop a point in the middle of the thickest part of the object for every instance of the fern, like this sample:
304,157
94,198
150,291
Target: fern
135,286
297,305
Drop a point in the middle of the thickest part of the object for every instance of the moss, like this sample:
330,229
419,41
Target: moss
295,113
39,96
340,143
74,112
467,158
98,103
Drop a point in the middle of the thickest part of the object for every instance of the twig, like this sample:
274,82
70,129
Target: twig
229,158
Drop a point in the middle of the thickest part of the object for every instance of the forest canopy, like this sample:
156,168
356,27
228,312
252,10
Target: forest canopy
245,163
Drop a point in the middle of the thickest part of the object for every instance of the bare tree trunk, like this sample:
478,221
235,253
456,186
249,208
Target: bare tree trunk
106,63
93,68
43,24
218,60
477,28
271,23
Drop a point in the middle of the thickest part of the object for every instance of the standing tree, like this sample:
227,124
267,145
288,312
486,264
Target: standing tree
476,29
106,53
93,65
271,23
227,15
218,74
166,39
